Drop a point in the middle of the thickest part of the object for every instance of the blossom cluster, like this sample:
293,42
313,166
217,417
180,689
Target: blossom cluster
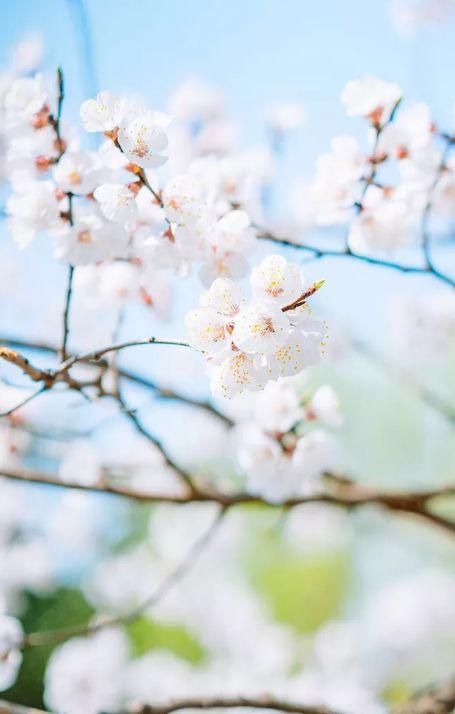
248,343
284,447
108,204
359,188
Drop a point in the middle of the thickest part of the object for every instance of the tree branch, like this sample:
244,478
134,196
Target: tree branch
264,702
343,493
11,708
96,355
439,699
139,426
161,392
318,253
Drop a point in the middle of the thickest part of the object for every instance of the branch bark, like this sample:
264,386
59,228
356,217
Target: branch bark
436,700
344,494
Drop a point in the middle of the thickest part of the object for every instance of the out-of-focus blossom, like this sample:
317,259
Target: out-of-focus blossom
10,656
91,240
86,674
371,98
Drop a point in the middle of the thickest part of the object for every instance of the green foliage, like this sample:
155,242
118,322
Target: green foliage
64,608
146,635
302,590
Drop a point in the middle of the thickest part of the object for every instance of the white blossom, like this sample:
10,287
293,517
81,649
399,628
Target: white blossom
103,113
117,202
10,655
34,207
325,405
26,97
142,138
86,674
78,172
335,189
259,341
384,222
371,97
90,240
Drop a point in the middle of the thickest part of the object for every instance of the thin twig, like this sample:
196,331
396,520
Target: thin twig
25,401
96,355
142,429
66,312
161,392
319,253
36,639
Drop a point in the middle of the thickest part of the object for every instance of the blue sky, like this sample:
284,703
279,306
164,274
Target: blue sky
259,50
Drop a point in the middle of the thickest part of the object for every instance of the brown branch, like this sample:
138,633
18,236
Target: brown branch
318,253
298,302
343,493
439,699
161,392
96,355
48,377
204,703
36,374
172,395
12,708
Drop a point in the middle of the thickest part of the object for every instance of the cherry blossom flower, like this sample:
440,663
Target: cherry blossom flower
275,280
371,97
260,328
90,240
10,656
411,130
79,172
86,674
384,223
142,138
26,97
336,185
247,345
183,200
325,405
278,407
104,113
276,444
117,202
32,208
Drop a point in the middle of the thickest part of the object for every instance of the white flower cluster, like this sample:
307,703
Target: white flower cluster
354,186
105,204
249,343
284,448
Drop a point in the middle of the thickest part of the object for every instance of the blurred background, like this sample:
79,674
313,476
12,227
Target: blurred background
358,605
